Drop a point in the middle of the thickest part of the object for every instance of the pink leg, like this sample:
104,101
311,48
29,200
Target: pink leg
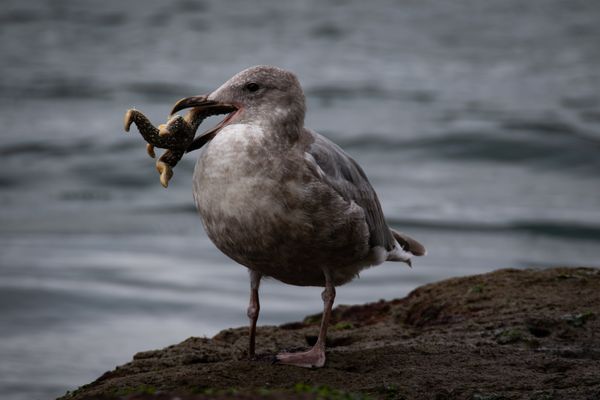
314,357
253,310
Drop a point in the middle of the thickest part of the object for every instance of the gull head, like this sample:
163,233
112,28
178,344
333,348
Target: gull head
262,95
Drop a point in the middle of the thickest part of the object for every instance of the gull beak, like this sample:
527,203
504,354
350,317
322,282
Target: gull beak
211,107
205,107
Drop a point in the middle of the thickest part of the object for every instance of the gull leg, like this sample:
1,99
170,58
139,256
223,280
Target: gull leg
314,357
253,310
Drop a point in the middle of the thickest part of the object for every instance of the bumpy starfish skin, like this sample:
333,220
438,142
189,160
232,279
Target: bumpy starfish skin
175,136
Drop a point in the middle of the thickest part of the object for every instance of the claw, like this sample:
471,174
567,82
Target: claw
150,150
165,171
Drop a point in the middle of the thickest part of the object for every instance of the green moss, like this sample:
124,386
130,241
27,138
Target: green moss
579,319
307,391
516,335
141,389
213,392
488,396
508,336
389,392
327,393
342,326
479,288
312,319
264,391
544,395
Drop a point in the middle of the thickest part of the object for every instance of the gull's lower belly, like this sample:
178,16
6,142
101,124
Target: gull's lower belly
254,223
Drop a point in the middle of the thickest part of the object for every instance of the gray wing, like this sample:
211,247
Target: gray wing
347,178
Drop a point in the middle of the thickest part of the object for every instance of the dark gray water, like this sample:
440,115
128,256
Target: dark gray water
477,122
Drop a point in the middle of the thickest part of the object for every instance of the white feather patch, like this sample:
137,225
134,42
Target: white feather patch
399,254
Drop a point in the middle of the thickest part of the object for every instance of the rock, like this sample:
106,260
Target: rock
509,334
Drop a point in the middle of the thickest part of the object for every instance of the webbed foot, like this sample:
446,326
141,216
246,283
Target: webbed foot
313,358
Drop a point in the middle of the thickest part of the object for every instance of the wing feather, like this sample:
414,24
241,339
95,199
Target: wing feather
347,178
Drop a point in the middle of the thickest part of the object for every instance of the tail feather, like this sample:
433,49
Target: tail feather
409,244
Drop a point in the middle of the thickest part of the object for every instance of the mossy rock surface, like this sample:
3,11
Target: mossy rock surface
509,334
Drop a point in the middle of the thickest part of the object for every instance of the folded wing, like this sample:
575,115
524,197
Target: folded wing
347,178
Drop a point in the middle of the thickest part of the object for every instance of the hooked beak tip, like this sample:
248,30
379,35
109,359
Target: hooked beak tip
188,102
211,106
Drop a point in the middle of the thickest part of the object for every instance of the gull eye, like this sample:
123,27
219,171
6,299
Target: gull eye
252,87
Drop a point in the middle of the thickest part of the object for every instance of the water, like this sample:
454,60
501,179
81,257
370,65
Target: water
477,123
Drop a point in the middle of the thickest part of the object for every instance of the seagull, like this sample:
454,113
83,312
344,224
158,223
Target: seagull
284,201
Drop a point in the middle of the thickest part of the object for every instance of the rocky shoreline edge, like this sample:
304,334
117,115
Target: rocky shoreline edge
508,334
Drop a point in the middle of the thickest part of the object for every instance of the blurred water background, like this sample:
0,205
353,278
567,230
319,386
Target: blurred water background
476,121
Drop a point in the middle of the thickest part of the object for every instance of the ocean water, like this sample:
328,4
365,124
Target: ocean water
478,123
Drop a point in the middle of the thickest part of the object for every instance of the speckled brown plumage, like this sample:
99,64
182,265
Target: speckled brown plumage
281,199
